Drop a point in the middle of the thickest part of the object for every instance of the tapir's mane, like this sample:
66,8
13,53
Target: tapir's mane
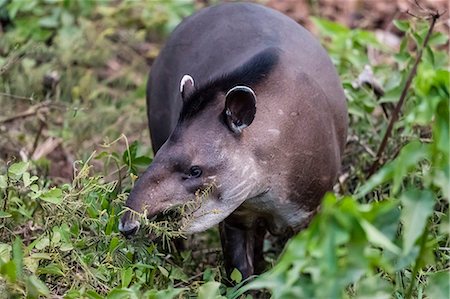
250,73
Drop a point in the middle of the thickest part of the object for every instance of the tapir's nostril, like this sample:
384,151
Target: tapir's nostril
128,228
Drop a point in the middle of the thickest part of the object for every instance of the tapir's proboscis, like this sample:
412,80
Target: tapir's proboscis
244,101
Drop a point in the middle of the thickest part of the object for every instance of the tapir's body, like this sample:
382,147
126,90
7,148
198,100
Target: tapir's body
269,168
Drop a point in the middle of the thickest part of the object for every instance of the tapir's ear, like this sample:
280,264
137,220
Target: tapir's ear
186,87
240,108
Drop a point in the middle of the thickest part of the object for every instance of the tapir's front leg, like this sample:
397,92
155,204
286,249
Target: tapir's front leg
242,248
237,247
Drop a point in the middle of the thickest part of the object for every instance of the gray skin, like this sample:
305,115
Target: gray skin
269,174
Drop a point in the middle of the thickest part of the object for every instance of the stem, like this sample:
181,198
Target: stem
396,112
417,264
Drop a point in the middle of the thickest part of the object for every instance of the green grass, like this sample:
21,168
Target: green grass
382,237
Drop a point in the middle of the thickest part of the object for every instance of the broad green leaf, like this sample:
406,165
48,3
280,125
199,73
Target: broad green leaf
5,252
417,207
9,270
26,179
66,247
378,238
34,188
209,290
328,27
373,287
36,288
438,285
177,273
52,196
163,294
3,182
92,295
113,244
17,169
236,276
401,25
4,214
142,161
438,38
122,293
42,243
53,269
163,271
408,159
126,275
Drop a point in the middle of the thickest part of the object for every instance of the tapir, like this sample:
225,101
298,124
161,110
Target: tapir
243,99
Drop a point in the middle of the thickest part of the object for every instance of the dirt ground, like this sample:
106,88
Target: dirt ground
364,14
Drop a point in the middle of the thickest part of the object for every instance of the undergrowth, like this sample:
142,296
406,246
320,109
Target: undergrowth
386,236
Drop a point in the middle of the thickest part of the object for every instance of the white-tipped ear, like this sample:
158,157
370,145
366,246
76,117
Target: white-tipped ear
186,86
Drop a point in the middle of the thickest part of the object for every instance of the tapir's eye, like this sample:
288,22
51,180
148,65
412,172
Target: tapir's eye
195,172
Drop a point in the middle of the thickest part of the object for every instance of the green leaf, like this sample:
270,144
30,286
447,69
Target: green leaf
401,25
163,294
113,244
52,196
209,290
17,169
4,214
42,243
438,285
163,271
36,287
142,161
437,39
236,276
5,252
49,22
92,295
9,270
27,179
126,276
34,188
378,238
122,293
3,182
18,256
53,269
130,153
408,159
328,27
417,207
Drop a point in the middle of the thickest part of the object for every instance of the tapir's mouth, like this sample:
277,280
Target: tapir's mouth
169,222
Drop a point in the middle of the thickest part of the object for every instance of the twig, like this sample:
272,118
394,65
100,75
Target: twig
434,16
13,96
38,135
189,279
29,112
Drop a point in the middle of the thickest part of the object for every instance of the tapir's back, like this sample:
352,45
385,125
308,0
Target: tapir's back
216,41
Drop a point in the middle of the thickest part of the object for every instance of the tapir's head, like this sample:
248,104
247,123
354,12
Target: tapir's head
206,152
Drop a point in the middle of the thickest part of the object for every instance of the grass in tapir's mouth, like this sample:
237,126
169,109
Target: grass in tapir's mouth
171,223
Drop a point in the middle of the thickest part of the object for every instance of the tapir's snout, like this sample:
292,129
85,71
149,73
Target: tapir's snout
127,225
128,228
